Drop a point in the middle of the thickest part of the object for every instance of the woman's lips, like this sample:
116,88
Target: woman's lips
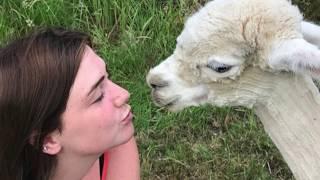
128,118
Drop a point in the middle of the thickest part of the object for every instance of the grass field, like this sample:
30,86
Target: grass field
134,35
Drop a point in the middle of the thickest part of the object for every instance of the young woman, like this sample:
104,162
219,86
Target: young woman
61,117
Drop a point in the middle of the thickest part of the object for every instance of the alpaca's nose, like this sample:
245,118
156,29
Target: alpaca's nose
156,82
158,86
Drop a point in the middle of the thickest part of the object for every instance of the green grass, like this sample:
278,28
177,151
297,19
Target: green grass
132,36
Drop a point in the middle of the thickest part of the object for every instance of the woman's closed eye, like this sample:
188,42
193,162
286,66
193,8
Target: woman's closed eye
99,98
101,89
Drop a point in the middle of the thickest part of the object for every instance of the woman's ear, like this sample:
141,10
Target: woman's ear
52,144
296,55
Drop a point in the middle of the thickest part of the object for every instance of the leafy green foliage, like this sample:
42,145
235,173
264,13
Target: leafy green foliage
310,9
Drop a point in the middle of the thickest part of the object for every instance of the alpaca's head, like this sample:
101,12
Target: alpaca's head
223,41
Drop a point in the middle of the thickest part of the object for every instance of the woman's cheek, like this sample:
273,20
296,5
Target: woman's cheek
107,111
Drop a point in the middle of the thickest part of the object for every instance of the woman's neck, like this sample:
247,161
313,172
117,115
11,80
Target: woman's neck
71,167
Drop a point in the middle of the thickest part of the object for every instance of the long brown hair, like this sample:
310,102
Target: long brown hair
36,75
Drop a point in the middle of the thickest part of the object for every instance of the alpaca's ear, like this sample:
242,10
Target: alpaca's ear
311,32
296,55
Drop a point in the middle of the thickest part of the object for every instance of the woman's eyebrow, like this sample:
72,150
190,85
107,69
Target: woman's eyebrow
95,85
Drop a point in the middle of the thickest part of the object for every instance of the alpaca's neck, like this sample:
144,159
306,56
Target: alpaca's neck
291,117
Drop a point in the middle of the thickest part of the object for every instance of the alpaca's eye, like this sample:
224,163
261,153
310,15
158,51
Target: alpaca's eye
218,67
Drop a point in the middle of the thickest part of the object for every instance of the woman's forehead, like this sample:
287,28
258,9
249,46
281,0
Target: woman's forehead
91,57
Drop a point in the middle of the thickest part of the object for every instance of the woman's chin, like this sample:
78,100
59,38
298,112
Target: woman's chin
126,134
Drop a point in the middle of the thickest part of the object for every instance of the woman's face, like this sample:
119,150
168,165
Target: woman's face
97,116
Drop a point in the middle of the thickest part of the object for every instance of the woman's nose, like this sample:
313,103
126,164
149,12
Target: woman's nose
121,95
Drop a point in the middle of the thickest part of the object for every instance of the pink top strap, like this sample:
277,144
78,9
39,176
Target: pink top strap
105,166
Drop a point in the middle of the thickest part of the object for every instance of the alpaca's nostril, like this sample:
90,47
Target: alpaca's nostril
156,82
158,86
154,86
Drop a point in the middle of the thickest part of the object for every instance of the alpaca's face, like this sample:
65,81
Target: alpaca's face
222,44
201,58
186,77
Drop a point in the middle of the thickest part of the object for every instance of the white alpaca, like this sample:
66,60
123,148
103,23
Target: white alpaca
245,52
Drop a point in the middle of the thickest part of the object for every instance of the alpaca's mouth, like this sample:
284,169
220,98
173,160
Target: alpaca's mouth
171,103
164,102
